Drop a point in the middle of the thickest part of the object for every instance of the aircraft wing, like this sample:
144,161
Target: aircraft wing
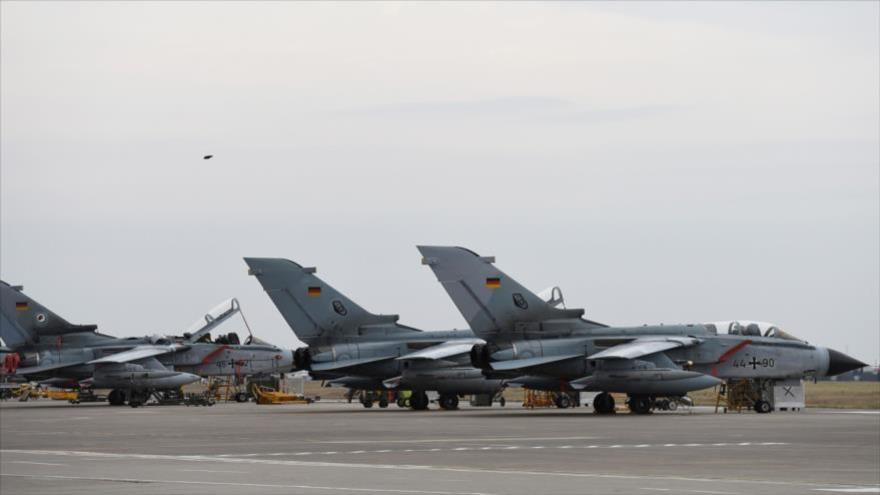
138,353
347,363
643,347
518,364
444,350
33,370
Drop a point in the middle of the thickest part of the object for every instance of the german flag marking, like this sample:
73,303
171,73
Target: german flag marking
314,291
21,306
493,283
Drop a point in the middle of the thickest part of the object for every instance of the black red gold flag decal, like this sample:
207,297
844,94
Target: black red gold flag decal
21,306
493,283
314,291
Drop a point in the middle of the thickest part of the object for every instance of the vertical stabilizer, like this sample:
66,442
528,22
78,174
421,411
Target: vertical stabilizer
315,311
492,302
23,320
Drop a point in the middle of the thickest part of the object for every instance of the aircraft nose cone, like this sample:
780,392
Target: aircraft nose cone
839,362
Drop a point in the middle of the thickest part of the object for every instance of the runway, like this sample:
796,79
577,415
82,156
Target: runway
51,448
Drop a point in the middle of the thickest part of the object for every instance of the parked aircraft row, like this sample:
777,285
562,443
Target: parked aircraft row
46,347
516,337
519,338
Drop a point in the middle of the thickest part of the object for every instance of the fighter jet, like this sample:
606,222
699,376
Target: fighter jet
535,342
49,347
354,348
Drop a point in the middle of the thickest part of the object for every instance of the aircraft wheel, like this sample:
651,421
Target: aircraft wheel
116,397
419,401
383,402
241,397
502,402
401,402
763,407
367,403
603,403
639,404
672,406
563,401
449,402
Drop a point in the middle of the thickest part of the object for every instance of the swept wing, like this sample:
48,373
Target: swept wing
518,364
138,353
348,363
643,347
444,350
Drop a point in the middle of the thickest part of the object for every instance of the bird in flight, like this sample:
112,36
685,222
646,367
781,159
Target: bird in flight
207,157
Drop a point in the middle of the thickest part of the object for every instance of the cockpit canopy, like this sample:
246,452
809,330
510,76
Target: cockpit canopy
752,328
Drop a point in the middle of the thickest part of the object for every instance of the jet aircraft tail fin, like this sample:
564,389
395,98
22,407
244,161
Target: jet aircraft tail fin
23,320
316,312
492,302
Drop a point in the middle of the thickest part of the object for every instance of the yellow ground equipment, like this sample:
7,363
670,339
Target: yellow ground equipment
68,395
266,395
537,398
736,395
228,389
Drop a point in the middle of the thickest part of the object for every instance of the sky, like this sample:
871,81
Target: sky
661,163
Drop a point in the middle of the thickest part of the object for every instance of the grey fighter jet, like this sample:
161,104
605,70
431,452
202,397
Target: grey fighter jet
536,343
50,348
354,348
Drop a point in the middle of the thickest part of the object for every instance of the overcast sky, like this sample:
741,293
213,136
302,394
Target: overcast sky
661,163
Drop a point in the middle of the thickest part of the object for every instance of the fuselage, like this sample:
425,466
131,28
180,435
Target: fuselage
449,375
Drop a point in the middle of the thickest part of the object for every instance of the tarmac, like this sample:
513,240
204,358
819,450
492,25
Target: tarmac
336,448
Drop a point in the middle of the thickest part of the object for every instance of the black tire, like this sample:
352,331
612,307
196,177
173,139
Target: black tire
639,404
763,407
401,402
383,402
502,402
419,401
241,397
116,397
449,402
367,403
603,404
563,401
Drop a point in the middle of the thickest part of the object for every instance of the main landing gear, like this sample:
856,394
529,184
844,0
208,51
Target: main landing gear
563,401
763,407
640,404
448,402
419,401
135,398
603,403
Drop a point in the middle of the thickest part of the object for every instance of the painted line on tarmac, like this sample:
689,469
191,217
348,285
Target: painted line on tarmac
37,463
511,447
848,412
412,467
249,485
446,440
678,490
866,489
